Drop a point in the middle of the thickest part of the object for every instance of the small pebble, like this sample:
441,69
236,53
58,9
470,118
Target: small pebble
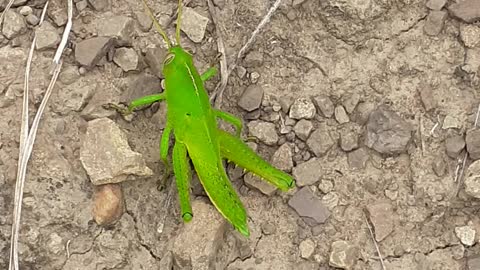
25,10
351,102
325,186
343,255
341,115
303,128
466,234
436,4
108,204
325,105
307,247
302,108
434,24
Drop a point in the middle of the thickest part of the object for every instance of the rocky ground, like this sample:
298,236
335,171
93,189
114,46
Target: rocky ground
371,105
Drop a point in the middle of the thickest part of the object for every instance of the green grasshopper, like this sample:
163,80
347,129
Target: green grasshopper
194,124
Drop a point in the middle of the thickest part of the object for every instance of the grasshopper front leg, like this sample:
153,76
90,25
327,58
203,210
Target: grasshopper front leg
183,175
143,101
233,149
232,119
164,146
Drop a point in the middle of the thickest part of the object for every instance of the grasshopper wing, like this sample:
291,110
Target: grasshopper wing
214,180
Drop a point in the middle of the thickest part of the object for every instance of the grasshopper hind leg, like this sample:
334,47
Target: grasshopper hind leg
235,150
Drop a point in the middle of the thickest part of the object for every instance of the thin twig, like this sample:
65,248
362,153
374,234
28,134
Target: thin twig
24,131
27,142
374,242
66,32
9,5
223,60
219,89
420,133
476,117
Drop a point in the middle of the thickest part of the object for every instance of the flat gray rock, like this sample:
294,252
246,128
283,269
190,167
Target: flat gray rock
106,155
119,27
306,204
467,11
380,215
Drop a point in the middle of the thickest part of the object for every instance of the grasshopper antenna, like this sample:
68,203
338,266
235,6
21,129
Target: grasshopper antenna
157,25
179,20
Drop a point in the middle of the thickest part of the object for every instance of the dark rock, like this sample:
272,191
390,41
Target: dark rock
253,59
320,141
454,145
473,143
387,132
325,105
434,23
154,58
251,98
303,128
89,52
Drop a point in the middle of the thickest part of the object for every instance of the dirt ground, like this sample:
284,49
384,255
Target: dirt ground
394,89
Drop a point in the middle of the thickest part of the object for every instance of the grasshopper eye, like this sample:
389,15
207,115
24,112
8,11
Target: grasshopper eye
169,58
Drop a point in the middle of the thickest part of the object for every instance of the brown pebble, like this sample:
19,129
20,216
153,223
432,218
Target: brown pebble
108,204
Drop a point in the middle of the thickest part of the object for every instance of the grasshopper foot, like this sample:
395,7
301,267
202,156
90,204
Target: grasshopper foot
121,108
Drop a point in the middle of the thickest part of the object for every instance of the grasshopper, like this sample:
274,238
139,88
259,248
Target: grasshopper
193,122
